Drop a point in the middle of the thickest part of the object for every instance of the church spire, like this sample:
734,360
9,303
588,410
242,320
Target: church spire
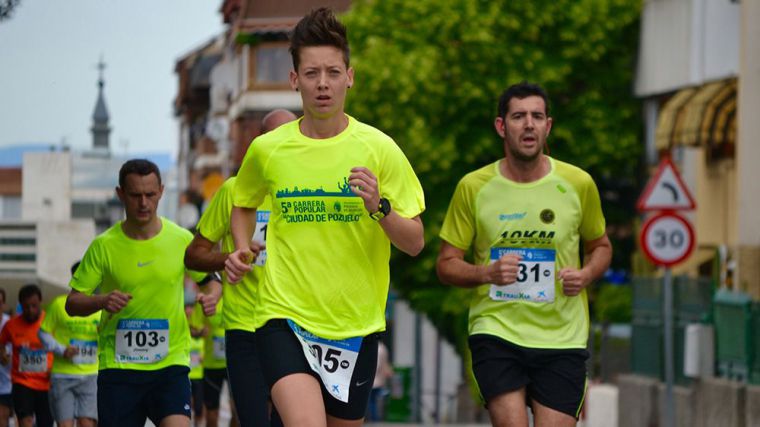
100,129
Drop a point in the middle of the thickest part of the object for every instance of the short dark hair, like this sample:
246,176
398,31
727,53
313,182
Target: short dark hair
521,90
28,291
142,167
319,27
2,292
74,267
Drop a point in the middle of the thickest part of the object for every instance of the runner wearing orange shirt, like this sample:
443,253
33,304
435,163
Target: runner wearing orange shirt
30,370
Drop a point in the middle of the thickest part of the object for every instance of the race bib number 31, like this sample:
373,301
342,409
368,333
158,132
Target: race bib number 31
142,340
260,235
535,276
334,361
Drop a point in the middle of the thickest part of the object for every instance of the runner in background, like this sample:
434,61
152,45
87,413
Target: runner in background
30,373
247,386
74,377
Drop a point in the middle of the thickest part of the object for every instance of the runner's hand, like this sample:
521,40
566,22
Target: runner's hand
208,303
256,248
115,301
364,184
70,352
237,264
573,281
504,270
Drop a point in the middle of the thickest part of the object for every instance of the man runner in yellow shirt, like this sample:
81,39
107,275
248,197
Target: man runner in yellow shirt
244,372
74,377
524,217
341,192
144,342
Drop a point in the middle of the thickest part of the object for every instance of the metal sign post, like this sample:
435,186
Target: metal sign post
667,314
667,239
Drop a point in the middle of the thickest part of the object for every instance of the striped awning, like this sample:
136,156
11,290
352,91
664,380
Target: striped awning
704,116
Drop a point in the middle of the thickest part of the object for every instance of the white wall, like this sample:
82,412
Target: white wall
59,245
686,43
46,186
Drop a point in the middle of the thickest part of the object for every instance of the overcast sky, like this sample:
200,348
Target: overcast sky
48,75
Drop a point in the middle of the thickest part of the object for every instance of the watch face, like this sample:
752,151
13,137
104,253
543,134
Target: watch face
385,206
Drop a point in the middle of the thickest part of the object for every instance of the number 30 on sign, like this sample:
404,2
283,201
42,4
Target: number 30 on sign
667,239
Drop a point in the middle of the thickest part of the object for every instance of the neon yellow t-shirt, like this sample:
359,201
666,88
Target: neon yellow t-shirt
213,342
214,225
151,332
81,332
327,261
545,220
196,359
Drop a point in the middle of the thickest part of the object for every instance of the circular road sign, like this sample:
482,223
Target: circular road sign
667,239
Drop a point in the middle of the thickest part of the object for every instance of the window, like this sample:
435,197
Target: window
273,64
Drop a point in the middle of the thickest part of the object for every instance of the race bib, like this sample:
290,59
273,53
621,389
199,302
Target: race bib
195,358
142,340
30,360
219,350
535,276
334,361
260,235
88,352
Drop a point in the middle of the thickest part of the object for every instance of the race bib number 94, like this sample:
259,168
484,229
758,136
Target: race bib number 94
142,340
535,276
87,352
334,361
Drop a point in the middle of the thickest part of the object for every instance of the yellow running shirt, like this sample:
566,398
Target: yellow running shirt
327,260
214,356
151,332
196,359
544,221
80,332
240,298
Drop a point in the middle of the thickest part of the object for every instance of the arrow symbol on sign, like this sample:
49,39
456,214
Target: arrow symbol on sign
672,189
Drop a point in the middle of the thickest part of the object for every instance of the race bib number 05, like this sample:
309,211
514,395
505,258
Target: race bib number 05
334,361
87,352
535,276
30,360
142,340
260,235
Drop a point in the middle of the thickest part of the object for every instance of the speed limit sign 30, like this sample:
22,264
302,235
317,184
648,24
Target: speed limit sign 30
667,239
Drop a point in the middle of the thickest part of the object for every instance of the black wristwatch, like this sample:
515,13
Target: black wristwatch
383,209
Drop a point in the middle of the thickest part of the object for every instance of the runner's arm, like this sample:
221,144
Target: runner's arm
407,234
452,269
79,304
201,256
242,224
50,343
598,255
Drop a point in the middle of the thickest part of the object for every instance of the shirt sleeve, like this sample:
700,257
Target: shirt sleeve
398,182
593,223
89,274
214,223
459,224
250,185
49,343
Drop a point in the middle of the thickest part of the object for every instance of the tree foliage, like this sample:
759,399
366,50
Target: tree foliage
6,8
429,73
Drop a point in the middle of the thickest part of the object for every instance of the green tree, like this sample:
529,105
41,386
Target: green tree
429,73
6,8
